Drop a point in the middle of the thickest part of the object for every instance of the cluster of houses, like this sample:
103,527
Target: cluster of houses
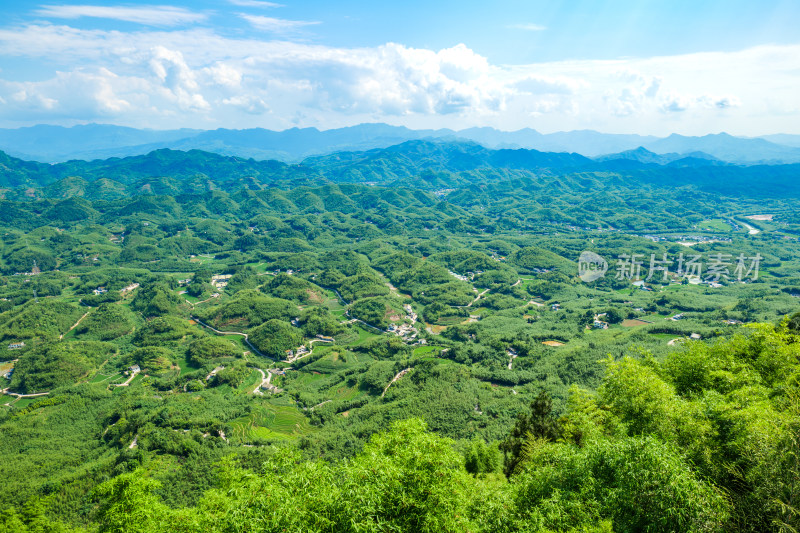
598,323
293,355
220,281
406,330
460,277
102,290
469,276
302,350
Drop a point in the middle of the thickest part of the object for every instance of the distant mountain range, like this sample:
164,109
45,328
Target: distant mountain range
54,144
420,164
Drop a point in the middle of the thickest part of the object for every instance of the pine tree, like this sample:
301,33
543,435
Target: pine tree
538,424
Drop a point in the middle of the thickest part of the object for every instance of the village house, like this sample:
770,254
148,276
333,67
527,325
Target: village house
16,346
129,288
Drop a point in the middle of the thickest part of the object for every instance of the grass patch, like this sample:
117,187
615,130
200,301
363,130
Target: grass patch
252,380
714,225
363,335
185,366
22,403
665,336
422,351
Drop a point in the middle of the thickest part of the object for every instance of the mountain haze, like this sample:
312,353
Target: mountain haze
97,141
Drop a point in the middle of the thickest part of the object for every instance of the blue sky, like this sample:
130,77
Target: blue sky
652,67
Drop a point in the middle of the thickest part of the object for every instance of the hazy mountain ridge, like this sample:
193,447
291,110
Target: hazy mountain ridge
420,164
98,141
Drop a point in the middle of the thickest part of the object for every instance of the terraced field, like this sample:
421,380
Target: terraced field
271,422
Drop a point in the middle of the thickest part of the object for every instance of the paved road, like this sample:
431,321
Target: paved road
128,381
477,298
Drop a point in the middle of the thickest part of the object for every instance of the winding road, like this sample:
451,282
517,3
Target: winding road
20,396
292,359
478,297
398,376
218,332
127,381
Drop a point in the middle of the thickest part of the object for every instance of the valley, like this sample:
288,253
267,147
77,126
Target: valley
171,324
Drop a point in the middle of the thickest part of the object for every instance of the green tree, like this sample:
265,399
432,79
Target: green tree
274,337
482,458
538,423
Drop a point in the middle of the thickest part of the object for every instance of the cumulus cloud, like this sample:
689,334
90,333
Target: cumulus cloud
150,15
178,80
198,78
398,80
633,94
96,93
224,75
249,104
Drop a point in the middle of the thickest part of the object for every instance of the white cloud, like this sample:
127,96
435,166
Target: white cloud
538,84
198,78
97,93
150,15
225,75
275,25
248,104
527,27
178,80
254,3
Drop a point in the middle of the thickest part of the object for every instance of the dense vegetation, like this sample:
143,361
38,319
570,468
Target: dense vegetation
206,343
